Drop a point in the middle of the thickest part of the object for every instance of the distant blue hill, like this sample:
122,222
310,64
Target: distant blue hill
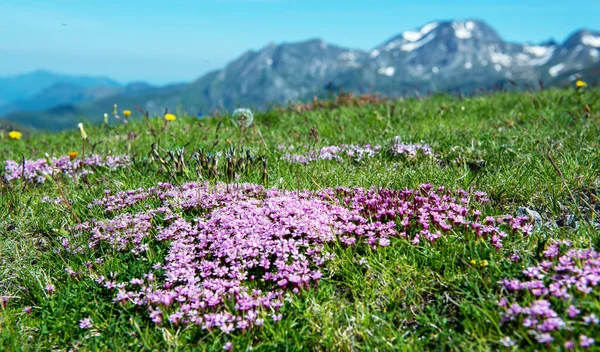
25,86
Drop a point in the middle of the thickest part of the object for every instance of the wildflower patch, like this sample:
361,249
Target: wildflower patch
37,171
556,302
358,152
235,251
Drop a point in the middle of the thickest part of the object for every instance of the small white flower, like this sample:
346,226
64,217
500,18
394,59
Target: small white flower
243,117
506,341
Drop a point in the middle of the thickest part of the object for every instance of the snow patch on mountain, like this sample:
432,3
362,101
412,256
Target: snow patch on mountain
542,59
463,30
387,71
350,58
429,27
413,36
554,70
537,50
591,40
347,56
416,45
500,58
393,45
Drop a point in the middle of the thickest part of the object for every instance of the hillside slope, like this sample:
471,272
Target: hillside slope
440,56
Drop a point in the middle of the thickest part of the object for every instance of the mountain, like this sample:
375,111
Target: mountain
67,116
40,90
440,56
25,86
58,94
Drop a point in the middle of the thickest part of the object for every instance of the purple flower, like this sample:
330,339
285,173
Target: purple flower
567,275
36,171
544,338
585,341
137,281
4,300
228,346
570,344
572,311
590,319
85,323
50,288
222,239
356,152
506,341
411,150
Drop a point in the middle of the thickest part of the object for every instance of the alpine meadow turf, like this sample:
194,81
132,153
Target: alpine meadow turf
356,224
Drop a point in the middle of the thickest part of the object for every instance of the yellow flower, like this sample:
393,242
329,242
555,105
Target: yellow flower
483,263
15,134
580,84
170,117
473,262
83,134
73,155
126,113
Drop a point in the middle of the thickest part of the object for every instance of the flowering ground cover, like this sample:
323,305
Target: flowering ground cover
483,237
358,152
250,245
39,170
557,301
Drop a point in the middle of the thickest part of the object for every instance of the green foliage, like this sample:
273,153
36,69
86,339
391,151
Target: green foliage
539,150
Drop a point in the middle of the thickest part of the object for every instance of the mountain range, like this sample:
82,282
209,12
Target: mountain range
440,56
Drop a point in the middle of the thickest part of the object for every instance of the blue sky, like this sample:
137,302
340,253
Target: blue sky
164,41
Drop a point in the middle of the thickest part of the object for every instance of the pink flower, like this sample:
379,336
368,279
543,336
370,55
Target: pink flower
570,344
585,341
85,323
220,240
572,311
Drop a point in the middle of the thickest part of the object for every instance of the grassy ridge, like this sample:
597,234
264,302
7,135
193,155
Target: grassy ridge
537,150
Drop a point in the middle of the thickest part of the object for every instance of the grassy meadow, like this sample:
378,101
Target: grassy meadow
534,151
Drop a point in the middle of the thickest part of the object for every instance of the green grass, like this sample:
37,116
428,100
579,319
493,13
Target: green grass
539,150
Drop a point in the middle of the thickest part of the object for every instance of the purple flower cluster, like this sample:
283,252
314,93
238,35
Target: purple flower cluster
86,323
37,170
234,252
358,152
334,152
553,302
410,150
